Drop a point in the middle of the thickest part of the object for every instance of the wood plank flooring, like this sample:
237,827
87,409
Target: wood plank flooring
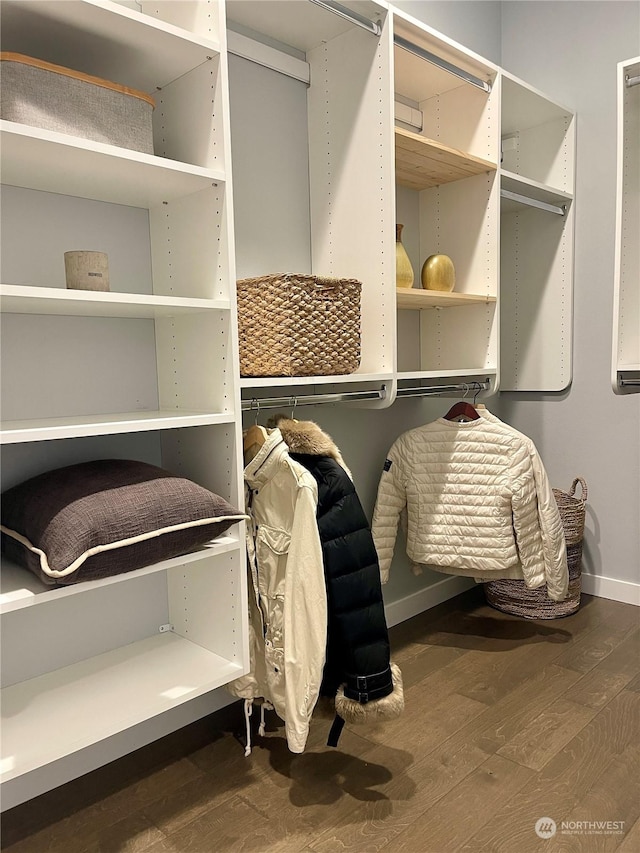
506,721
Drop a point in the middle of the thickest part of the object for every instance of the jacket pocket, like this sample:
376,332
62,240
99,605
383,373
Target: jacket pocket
272,549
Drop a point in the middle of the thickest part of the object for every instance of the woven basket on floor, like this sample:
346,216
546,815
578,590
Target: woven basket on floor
298,325
512,596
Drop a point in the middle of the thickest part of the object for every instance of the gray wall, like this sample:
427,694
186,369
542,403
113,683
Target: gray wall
569,50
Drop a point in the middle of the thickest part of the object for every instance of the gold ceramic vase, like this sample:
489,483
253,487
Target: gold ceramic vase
438,273
404,270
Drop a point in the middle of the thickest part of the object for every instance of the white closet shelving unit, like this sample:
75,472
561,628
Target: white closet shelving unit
347,176
150,370
443,180
447,200
147,371
536,239
626,308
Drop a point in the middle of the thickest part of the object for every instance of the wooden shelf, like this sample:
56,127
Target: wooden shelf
106,694
418,300
422,163
40,159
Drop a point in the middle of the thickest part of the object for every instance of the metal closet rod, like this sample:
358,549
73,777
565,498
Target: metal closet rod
338,9
255,404
425,391
632,81
533,202
405,44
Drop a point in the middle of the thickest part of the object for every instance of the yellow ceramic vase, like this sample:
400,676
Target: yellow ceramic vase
404,270
438,273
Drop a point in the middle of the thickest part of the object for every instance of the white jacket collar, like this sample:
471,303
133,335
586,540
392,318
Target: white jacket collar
260,469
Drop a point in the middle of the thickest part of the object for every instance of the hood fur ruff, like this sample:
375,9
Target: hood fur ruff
307,437
387,708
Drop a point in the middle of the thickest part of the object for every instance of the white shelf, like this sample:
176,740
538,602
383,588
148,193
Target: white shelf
524,106
48,429
533,189
23,299
41,159
120,44
20,588
480,372
300,25
55,715
289,381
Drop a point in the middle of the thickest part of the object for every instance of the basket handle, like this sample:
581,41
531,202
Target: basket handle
326,283
572,491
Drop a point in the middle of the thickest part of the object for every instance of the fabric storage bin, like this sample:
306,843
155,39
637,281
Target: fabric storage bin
512,596
298,325
55,98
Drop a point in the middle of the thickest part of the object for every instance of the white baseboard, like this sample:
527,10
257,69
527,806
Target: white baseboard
611,588
417,602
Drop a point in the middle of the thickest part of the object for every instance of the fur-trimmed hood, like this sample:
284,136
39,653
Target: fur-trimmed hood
308,438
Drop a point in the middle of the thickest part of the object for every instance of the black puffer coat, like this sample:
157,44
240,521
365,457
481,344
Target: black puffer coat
357,671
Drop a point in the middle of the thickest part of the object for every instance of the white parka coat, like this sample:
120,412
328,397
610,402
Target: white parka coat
471,497
287,595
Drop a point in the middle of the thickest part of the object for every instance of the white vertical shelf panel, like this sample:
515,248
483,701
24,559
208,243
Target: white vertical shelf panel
204,19
460,220
194,362
464,118
184,128
186,245
626,309
201,615
351,179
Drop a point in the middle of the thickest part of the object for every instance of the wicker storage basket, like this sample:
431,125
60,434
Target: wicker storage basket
512,596
56,98
298,325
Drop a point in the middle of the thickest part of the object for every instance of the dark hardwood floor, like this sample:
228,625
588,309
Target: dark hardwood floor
507,721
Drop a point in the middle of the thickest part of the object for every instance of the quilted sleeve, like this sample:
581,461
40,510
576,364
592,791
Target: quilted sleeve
526,523
553,541
391,500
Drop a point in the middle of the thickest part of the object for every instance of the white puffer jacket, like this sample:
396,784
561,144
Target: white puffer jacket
470,493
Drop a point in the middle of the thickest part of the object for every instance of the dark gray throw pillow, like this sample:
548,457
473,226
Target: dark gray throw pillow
107,517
